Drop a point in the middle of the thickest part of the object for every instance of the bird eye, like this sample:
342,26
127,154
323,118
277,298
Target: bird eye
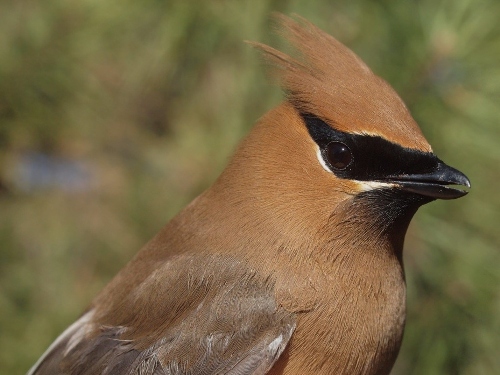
339,155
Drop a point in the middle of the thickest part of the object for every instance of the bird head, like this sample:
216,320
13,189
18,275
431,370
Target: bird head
342,151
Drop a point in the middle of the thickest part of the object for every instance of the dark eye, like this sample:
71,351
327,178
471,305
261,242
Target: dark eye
339,155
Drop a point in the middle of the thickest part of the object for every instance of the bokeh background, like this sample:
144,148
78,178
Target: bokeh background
115,114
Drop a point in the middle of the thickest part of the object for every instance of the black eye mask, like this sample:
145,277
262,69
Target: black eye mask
365,157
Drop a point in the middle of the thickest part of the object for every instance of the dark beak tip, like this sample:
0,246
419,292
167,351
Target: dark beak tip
458,180
455,177
467,183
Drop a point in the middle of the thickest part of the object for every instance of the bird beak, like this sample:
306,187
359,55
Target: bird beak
435,184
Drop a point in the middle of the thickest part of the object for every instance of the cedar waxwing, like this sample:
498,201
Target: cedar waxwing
291,263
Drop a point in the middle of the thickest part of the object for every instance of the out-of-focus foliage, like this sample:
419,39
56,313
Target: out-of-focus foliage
115,114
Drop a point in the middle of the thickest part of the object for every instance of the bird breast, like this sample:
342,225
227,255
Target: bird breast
356,324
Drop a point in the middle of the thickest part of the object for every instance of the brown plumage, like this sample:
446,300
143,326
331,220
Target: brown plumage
291,262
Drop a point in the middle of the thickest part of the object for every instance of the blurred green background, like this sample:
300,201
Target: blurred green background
115,114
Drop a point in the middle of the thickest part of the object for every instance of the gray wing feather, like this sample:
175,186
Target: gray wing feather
232,327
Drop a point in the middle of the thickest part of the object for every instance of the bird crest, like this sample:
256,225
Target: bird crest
328,80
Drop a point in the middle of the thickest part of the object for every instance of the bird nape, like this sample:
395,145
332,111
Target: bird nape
291,262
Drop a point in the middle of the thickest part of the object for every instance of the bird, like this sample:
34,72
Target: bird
291,262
